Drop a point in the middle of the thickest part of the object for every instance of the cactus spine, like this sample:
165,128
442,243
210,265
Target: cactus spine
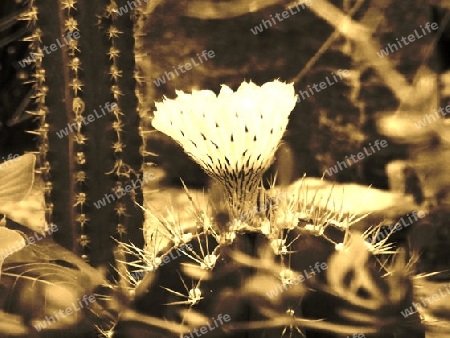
275,266
87,87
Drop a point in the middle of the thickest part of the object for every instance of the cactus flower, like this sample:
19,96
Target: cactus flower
233,136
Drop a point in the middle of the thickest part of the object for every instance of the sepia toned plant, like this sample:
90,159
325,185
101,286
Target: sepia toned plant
251,264
233,136
85,91
279,267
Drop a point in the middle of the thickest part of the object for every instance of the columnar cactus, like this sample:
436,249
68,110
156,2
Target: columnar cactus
258,264
90,147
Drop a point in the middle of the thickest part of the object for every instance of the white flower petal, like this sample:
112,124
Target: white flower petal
234,135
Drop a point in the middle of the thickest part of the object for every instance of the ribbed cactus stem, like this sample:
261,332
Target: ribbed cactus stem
90,93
